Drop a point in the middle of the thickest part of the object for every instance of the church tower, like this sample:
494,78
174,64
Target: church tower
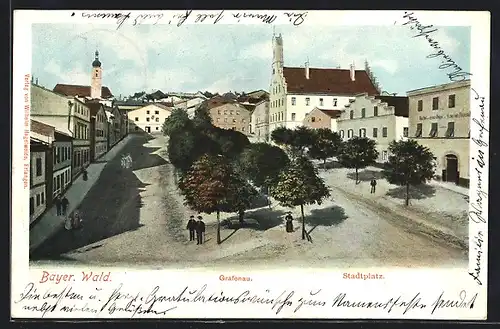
277,53
96,80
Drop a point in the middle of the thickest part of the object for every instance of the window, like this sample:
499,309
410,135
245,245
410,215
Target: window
420,105
157,119
234,120
313,119
405,131
54,185
294,101
136,128
334,102
58,154
321,102
156,128
384,132
58,180
42,197
434,130
308,100
362,132
242,128
32,206
384,155
225,119
450,132
38,167
375,111
435,103
37,200
147,119
55,153
342,134
418,133
231,112
293,116
451,101
351,114
225,112
363,112
147,112
242,120
218,111
237,112
157,112
375,132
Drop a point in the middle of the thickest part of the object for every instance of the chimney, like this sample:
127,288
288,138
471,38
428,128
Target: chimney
307,70
36,81
353,72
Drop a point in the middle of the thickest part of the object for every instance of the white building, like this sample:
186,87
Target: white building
296,91
149,118
381,118
259,122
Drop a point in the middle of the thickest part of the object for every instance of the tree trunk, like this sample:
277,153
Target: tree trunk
324,163
357,175
407,194
218,227
269,196
241,213
303,222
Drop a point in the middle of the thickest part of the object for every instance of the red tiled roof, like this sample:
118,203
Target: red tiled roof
327,81
42,128
331,113
217,101
78,90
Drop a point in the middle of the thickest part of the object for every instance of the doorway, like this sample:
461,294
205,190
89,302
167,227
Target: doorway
451,168
148,130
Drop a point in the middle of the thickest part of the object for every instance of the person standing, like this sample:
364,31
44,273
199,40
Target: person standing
58,203
200,230
64,204
191,226
373,184
289,222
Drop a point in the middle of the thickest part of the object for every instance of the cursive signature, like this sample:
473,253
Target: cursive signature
447,62
478,244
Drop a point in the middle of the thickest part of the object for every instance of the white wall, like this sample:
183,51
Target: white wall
38,194
401,123
138,118
64,180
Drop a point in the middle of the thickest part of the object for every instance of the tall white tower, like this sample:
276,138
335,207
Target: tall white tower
277,53
96,78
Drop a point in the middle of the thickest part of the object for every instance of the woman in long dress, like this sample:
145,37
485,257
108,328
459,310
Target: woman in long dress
68,222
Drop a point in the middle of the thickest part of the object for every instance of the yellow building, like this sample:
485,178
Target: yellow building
439,118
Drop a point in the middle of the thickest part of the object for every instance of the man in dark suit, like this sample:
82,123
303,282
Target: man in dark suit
191,226
200,230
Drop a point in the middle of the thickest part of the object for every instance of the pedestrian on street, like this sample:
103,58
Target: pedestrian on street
77,220
373,183
58,203
64,204
289,222
200,230
68,222
191,226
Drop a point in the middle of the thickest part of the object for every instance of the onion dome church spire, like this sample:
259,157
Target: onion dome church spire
96,62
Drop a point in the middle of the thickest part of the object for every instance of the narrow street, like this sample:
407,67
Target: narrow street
134,216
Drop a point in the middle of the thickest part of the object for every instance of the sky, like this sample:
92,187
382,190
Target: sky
222,58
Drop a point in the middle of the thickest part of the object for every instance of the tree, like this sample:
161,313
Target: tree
178,121
358,153
185,147
282,136
409,164
202,120
326,144
240,195
262,163
300,185
302,138
231,142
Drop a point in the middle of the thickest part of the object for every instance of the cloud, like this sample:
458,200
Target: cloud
74,75
391,66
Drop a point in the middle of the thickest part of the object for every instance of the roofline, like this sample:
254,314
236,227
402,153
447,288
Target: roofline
444,86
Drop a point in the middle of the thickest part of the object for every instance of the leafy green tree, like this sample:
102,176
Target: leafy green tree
261,163
282,136
302,139
358,153
212,185
300,185
409,164
202,120
231,142
178,121
185,147
326,145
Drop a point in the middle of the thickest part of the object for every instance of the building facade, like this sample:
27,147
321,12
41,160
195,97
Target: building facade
62,150
296,91
440,120
260,121
81,136
41,139
231,116
381,118
322,119
149,118
98,131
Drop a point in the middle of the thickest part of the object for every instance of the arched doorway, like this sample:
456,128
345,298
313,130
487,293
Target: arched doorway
452,173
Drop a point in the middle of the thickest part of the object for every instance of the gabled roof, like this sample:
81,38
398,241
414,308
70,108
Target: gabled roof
400,103
94,107
327,81
158,104
79,90
332,113
42,128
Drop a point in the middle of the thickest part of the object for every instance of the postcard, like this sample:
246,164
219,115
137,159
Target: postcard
250,164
